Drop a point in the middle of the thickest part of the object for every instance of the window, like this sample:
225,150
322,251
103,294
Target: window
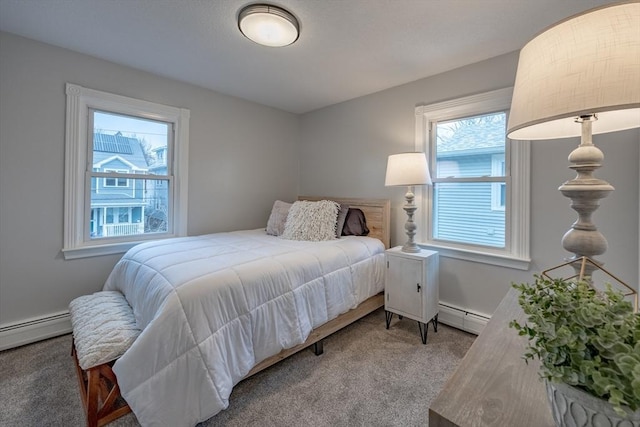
133,154
478,206
116,182
466,180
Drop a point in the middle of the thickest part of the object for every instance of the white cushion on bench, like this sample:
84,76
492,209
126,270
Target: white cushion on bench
103,327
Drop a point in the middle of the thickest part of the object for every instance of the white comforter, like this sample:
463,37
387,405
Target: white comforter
213,306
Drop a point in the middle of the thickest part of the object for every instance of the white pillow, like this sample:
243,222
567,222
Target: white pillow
313,221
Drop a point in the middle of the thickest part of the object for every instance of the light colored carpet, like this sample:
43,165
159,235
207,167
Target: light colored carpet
367,376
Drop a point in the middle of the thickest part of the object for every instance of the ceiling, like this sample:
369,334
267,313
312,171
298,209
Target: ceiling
347,48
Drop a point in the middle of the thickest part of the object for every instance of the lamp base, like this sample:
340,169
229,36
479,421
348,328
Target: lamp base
585,192
411,247
410,226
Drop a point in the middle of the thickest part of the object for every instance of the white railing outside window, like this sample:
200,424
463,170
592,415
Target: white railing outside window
111,230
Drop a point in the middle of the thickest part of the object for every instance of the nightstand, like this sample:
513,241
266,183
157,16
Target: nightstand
411,288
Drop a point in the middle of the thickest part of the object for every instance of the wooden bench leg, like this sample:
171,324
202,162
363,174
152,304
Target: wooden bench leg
100,394
93,392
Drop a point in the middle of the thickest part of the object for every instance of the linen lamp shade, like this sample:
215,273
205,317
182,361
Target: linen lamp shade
407,169
588,64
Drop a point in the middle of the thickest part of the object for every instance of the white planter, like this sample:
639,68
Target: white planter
572,407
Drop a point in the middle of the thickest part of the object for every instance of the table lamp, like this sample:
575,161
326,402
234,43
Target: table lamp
408,169
578,78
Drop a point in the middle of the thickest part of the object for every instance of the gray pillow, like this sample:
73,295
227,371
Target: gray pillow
278,218
355,224
342,216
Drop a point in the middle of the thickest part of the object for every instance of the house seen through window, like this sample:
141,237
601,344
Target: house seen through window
469,186
130,176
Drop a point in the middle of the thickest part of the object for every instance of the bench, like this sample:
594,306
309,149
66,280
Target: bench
104,327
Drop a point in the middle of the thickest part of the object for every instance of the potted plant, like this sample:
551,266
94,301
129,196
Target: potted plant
588,343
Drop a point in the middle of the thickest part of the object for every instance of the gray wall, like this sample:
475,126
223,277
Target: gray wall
344,152
242,156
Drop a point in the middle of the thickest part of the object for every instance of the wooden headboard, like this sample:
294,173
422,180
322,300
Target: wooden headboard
376,211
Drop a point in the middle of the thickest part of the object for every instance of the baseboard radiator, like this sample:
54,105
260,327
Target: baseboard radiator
462,319
32,330
36,329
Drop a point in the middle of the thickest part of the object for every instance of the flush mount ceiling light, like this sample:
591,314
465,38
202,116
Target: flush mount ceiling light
268,25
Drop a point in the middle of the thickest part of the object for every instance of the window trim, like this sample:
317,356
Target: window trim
516,254
79,101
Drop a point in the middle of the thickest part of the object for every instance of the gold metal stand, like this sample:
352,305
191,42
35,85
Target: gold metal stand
584,266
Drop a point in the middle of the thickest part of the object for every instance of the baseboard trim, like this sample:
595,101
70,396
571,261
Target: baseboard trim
32,330
36,329
462,319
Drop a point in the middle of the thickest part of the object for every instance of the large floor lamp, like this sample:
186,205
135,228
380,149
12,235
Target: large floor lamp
578,78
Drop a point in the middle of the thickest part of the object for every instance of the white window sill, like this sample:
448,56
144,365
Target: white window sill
97,250
501,260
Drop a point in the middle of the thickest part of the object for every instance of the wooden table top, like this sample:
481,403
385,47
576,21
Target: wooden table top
493,386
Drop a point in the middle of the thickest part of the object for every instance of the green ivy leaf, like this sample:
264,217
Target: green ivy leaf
583,337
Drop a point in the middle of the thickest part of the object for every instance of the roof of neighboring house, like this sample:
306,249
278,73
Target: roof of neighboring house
465,138
120,199
128,149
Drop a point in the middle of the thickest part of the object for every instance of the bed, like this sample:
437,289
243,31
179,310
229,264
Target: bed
218,308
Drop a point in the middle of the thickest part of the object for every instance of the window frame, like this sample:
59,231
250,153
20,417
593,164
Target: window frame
498,168
77,212
517,239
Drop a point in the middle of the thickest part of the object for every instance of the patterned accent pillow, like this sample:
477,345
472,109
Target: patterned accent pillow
278,217
312,221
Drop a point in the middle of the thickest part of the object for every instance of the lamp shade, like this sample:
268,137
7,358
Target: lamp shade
588,64
268,25
407,169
